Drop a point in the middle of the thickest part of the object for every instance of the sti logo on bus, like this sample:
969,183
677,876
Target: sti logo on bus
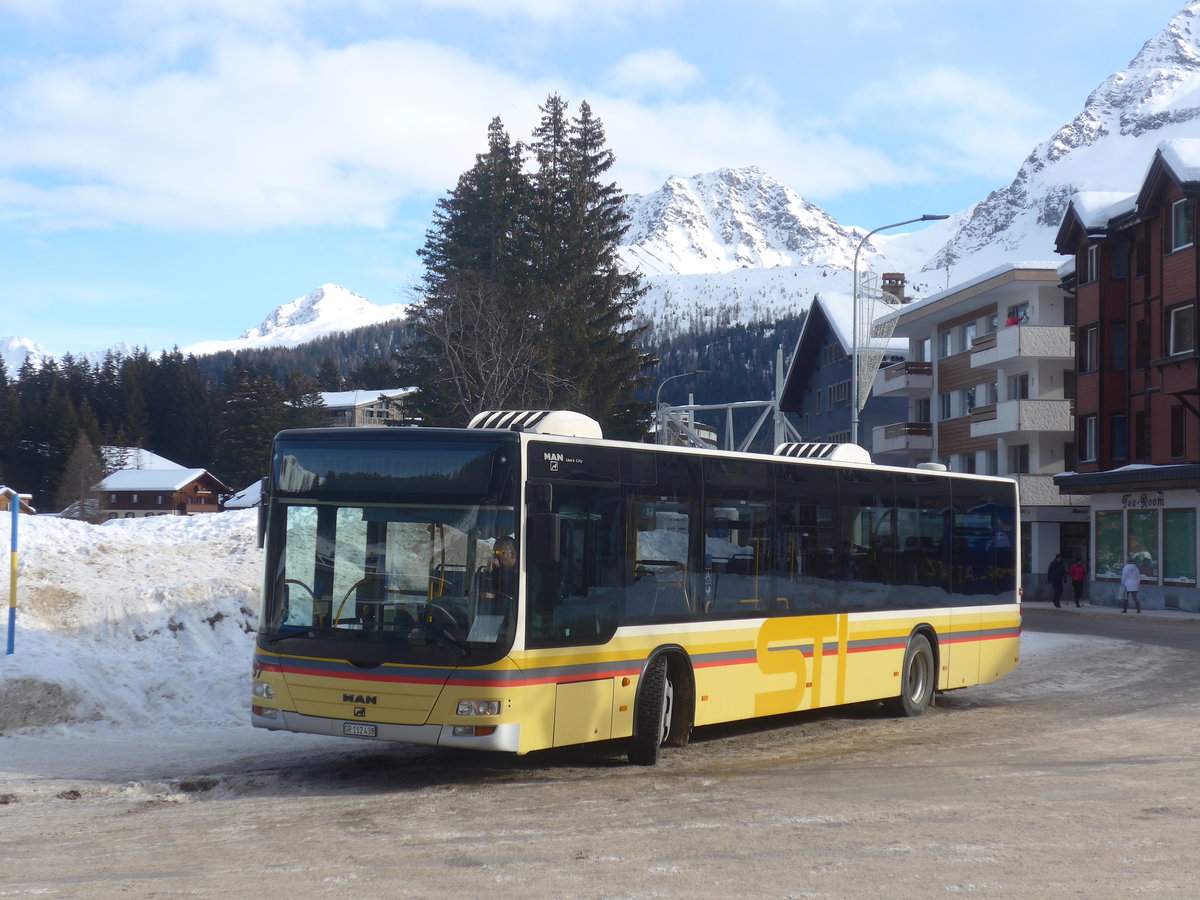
359,698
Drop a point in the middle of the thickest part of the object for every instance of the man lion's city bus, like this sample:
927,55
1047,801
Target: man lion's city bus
523,584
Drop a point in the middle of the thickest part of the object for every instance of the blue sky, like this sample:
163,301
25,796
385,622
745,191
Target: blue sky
173,170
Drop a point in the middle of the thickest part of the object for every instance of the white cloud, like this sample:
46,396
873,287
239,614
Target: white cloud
963,123
659,71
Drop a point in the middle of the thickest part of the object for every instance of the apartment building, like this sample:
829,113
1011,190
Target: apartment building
989,383
1136,277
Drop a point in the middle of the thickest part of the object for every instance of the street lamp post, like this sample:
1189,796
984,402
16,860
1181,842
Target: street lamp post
658,417
854,404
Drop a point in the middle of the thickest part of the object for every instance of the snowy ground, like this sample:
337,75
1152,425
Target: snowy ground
136,637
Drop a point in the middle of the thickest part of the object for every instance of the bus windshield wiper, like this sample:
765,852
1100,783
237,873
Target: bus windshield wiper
299,632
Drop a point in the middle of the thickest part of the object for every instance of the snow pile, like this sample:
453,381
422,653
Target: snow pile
140,623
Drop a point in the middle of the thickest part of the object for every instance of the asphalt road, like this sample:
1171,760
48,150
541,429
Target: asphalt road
1075,776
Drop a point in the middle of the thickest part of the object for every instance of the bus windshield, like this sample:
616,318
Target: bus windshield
422,572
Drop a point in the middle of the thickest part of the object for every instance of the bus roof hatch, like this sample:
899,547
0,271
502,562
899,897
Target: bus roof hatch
540,421
835,452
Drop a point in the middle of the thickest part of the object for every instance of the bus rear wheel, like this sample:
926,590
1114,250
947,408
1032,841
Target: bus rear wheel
916,679
652,715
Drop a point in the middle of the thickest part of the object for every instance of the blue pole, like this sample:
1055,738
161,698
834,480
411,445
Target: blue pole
12,582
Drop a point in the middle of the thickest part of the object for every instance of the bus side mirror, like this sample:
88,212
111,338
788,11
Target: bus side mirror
262,514
541,538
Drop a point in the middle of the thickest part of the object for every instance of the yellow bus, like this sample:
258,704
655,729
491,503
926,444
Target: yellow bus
524,583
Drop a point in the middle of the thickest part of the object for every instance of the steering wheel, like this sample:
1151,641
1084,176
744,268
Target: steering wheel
453,628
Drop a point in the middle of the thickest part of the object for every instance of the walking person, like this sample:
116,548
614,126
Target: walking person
1056,576
1078,576
1131,580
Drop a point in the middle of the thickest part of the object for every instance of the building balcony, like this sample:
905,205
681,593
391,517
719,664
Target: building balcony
905,379
1016,416
902,437
1006,346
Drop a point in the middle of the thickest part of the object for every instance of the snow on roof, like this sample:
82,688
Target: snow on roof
1183,156
247,497
1050,267
839,310
1096,209
342,399
136,458
150,479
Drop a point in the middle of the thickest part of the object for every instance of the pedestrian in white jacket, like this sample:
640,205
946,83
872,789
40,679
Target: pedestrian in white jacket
1131,580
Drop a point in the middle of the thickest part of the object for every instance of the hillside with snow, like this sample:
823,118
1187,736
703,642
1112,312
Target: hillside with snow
326,310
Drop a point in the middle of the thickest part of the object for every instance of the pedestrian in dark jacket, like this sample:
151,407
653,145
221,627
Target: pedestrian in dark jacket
1056,575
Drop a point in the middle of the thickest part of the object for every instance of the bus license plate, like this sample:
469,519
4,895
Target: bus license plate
358,729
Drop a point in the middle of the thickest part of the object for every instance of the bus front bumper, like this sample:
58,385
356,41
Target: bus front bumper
504,737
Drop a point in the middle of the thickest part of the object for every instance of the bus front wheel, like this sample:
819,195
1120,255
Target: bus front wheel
916,678
652,715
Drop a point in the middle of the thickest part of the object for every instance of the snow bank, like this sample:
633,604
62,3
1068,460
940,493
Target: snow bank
146,623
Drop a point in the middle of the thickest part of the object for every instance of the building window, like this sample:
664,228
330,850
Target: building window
943,407
1091,269
1178,436
1089,439
1018,459
1183,329
991,462
112,498
1120,436
921,410
159,499
839,393
1183,224
1087,350
968,401
968,335
133,499
1018,386
992,392
1017,314
993,323
946,344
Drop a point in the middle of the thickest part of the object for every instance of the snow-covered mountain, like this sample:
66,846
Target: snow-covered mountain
324,311
737,246
15,350
1107,147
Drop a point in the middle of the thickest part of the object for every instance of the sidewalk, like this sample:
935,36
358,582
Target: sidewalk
1068,606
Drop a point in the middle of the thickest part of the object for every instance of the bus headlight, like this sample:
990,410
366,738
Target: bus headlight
478,708
264,690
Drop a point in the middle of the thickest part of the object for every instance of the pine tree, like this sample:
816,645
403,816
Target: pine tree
524,304
78,492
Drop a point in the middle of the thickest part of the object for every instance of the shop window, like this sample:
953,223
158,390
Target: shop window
1142,541
1179,547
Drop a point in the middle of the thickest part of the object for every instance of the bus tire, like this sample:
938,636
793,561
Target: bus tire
917,679
652,715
